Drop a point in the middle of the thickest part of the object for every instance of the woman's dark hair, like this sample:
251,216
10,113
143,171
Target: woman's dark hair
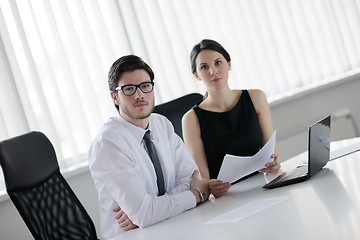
124,64
206,44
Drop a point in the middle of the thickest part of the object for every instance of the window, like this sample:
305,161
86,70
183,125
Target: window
55,54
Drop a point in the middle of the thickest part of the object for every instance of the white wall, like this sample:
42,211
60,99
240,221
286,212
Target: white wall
291,118
293,115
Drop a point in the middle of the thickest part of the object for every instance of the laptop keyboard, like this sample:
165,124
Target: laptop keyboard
295,173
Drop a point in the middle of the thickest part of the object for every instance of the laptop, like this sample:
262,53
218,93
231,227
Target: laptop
318,156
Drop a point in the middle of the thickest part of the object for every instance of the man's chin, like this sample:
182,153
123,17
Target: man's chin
137,114
144,116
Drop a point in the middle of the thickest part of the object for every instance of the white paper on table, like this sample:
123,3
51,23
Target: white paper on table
247,210
236,167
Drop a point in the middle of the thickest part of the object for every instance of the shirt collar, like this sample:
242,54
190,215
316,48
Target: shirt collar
137,132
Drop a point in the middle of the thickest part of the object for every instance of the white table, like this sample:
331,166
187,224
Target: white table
325,207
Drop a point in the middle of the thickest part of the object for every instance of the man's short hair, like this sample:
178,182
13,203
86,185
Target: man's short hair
126,63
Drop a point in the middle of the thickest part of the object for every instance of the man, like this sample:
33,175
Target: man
120,163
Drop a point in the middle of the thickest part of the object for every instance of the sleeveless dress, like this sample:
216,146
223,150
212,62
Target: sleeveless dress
235,132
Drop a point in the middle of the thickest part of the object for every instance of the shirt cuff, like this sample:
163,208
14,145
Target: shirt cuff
187,200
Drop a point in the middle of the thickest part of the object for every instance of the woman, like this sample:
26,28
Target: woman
227,121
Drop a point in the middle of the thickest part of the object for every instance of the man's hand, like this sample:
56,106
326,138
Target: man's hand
123,219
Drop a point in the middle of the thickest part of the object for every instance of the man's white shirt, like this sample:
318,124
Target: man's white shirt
124,175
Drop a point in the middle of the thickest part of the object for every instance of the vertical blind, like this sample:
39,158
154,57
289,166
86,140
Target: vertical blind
55,54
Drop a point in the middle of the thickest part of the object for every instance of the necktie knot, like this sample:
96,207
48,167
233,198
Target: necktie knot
147,136
148,143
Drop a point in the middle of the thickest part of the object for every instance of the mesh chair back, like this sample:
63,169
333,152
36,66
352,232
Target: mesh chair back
45,201
175,109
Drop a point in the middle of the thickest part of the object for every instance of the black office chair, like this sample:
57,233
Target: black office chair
175,109
45,201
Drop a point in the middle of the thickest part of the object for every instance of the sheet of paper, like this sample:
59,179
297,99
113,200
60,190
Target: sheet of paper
247,210
236,167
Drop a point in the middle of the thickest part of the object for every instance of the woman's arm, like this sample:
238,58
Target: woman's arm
194,144
262,107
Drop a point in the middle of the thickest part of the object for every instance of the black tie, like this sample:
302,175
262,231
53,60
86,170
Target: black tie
155,160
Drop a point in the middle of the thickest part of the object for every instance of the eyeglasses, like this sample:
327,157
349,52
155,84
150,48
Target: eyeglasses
130,89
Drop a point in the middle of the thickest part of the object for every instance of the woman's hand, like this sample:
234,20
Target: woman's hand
272,167
218,187
123,219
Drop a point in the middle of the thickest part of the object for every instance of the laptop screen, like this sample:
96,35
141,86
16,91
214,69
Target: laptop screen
319,145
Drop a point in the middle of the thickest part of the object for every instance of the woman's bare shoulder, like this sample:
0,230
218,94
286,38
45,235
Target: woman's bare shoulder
189,116
257,93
